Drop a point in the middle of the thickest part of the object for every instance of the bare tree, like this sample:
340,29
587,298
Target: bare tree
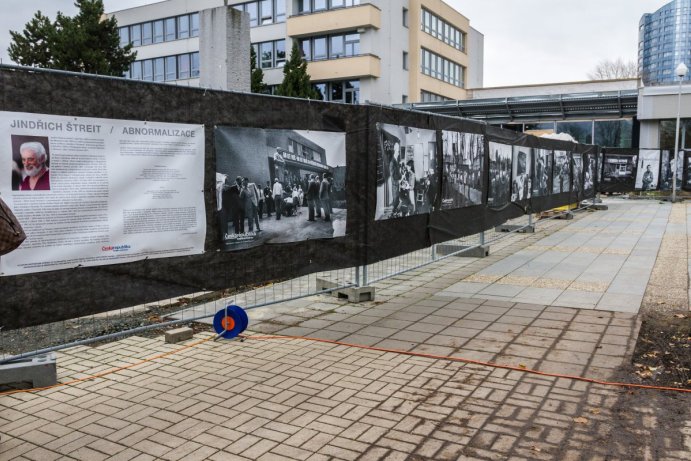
608,69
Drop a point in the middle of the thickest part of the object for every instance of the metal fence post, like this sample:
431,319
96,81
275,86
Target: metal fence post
357,275
482,237
434,252
365,280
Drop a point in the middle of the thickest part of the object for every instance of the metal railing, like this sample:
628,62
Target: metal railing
202,306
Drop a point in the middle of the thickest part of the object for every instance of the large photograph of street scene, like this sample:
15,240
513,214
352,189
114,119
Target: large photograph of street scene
279,186
648,171
521,183
464,159
499,174
561,177
542,172
407,180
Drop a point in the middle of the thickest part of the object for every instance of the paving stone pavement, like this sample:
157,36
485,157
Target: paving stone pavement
277,398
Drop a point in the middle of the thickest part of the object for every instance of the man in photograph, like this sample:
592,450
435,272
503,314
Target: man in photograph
278,198
325,196
34,159
521,183
268,199
648,178
312,196
237,213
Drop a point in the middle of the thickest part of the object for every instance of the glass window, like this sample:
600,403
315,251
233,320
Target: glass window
581,131
148,70
124,36
136,35
253,10
337,3
306,48
405,60
321,90
305,6
405,17
280,10
319,5
280,53
159,71
158,31
352,44
614,133
319,48
195,65
194,25
170,29
171,68
184,66
147,33
266,51
266,9
183,26
337,48
336,91
136,70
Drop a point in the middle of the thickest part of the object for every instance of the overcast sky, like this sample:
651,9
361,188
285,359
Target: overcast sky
526,41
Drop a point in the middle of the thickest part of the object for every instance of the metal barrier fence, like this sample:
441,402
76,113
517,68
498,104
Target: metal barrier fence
29,342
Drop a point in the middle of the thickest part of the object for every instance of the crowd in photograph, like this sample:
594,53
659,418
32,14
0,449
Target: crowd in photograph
243,204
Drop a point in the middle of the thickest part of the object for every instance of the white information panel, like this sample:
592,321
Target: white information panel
91,191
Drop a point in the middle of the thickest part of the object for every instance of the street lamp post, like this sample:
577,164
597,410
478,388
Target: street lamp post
681,72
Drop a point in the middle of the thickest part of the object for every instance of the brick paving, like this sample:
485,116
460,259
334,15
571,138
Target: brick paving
282,398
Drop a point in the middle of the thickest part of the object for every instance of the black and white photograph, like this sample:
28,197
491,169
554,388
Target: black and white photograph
499,174
521,181
647,174
589,167
619,169
542,172
407,179
600,159
464,155
577,162
279,186
561,177
666,166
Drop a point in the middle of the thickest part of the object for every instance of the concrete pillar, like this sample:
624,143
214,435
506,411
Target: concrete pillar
224,49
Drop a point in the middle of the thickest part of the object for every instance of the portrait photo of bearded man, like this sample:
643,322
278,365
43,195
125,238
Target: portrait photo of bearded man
35,167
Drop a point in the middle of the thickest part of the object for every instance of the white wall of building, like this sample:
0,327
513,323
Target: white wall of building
476,59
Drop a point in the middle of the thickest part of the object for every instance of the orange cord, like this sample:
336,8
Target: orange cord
109,372
475,362
359,346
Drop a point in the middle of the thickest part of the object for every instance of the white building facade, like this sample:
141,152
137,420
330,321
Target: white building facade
382,51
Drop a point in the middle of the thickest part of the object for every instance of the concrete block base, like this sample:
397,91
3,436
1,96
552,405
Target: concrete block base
599,207
481,251
356,294
515,228
327,284
40,371
179,335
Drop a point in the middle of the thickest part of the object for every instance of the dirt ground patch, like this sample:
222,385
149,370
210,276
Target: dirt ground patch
663,351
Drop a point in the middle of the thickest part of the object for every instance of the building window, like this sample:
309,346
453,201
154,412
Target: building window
405,60
171,34
442,30
426,96
161,30
165,68
313,6
264,12
330,47
442,69
158,31
347,91
405,17
271,54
